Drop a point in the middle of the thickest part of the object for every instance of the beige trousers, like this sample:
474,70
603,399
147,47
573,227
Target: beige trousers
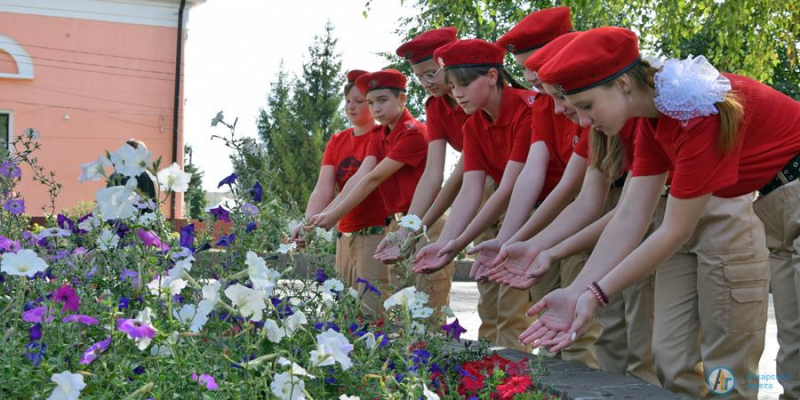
625,344
354,260
780,212
501,308
711,304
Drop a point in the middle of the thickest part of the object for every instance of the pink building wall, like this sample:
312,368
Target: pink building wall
96,84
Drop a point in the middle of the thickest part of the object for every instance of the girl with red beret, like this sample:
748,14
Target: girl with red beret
724,137
496,141
361,229
623,343
551,177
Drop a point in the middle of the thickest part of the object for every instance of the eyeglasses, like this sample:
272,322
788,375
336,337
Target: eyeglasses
428,77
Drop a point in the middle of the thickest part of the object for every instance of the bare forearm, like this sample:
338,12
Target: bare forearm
444,199
582,241
317,203
428,188
468,205
487,216
522,201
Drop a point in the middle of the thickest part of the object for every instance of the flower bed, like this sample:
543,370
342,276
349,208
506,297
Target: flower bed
112,305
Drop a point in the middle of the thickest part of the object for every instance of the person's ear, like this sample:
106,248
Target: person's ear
492,76
403,97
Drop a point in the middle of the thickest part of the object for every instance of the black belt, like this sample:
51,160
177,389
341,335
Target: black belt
789,173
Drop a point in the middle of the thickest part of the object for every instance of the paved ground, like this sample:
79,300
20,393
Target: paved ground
464,301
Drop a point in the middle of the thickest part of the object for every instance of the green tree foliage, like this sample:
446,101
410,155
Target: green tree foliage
302,114
195,196
756,38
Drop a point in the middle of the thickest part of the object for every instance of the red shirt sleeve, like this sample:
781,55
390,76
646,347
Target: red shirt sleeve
410,148
474,158
375,146
522,135
542,128
648,158
330,148
434,126
700,166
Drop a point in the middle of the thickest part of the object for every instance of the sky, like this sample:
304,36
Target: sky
234,50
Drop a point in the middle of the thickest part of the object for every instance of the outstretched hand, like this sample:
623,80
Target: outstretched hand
556,313
428,259
487,252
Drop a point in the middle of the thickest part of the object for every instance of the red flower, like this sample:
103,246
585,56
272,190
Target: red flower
517,368
513,385
417,346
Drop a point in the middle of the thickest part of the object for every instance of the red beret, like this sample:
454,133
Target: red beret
421,47
385,79
536,30
469,53
593,58
352,75
541,57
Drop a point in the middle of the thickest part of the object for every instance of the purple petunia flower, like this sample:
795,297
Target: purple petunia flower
187,237
320,277
65,223
126,274
251,226
151,239
35,332
83,319
249,209
122,229
123,304
66,294
220,213
37,314
206,381
138,370
453,329
95,350
228,180
35,352
8,245
325,326
10,170
258,192
14,206
136,329
367,287
226,241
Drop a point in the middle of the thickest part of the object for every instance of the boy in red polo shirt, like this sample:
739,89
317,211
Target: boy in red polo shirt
395,159
362,229
496,142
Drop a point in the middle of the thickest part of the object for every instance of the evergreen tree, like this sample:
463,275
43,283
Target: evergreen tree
301,116
195,197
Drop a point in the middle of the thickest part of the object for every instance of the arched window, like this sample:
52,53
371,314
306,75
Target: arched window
15,63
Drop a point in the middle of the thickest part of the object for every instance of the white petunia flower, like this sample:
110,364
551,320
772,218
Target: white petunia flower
421,313
263,278
323,234
22,263
287,386
69,386
166,287
129,161
249,302
332,347
286,248
446,310
90,223
296,369
274,332
194,316
108,240
211,290
417,328
173,178
346,397
352,292
411,221
147,218
428,394
409,298
94,170
165,350
332,286
117,202
294,321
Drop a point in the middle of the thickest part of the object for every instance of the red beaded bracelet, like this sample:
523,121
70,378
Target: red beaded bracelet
598,294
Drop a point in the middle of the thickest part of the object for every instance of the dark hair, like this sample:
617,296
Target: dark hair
347,87
465,75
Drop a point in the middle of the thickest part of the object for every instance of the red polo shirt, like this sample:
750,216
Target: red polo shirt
345,152
490,145
769,136
444,121
406,143
562,137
